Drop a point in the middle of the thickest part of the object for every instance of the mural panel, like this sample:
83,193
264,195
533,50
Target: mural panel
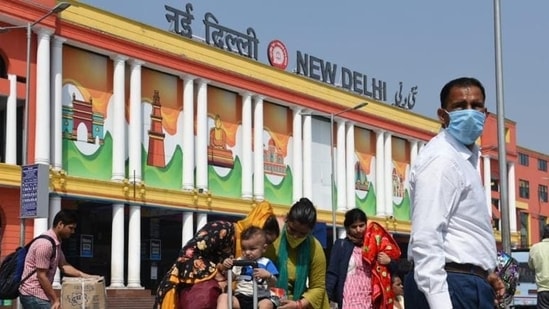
162,134
277,132
87,116
400,173
365,172
224,142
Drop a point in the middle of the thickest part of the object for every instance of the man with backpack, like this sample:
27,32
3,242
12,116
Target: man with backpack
41,263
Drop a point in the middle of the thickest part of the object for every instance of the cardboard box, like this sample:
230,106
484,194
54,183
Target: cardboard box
83,293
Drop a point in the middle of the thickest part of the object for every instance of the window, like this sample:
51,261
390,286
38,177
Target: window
542,165
524,189
494,185
524,237
542,193
523,159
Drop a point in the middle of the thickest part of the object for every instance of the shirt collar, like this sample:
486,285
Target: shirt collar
470,155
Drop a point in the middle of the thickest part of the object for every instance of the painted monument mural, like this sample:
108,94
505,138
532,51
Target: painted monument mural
365,171
399,177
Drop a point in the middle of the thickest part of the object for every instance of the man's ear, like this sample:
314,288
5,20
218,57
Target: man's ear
443,117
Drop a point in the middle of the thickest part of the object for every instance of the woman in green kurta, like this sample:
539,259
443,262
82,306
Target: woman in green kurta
300,260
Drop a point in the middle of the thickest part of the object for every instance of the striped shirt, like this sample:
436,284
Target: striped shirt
39,257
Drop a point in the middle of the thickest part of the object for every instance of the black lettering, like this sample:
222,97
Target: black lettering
384,92
357,83
328,72
314,67
365,81
302,64
377,89
346,75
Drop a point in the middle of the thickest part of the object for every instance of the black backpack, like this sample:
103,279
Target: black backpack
12,267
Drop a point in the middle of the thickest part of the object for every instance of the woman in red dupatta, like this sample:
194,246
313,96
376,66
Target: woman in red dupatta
377,240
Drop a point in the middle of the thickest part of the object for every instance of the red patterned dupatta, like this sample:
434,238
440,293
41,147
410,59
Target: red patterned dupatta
377,240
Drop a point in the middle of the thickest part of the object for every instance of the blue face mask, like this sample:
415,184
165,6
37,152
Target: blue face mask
466,125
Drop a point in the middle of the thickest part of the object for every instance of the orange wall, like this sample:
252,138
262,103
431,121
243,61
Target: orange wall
10,222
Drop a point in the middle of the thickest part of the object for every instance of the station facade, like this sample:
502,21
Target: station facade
150,134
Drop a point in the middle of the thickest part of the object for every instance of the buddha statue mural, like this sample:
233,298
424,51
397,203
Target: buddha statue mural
218,153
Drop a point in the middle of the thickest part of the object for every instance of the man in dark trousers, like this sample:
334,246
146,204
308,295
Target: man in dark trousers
452,244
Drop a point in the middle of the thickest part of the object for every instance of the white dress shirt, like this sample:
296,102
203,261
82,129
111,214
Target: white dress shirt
450,217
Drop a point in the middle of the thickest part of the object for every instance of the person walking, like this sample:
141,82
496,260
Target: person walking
452,245
41,264
538,260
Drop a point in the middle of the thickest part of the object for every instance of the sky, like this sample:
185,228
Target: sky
423,43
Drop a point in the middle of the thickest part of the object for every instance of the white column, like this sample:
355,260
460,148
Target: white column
10,154
57,102
201,220
414,146
188,132
55,207
187,229
379,177
297,159
42,120
247,152
341,186
119,120
259,182
307,155
487,182
350,166
134,247
388,173
512,198
135,129
201,149
117,246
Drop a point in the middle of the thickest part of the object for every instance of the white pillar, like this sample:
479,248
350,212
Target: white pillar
487,182
379,175
350,166
55,207
135,129
247,152
42,120
512,198
259,182
297,159
201,220
187,229
117,246
307,155
134,247
119,120
57,102
201,149
414,146
388,173
341,184
10,153
188,132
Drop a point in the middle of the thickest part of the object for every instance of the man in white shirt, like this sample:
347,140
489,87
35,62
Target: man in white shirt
452,245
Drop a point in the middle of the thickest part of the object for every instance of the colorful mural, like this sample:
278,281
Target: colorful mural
399,178
277,153
224,142
87,121
162,136
365,170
